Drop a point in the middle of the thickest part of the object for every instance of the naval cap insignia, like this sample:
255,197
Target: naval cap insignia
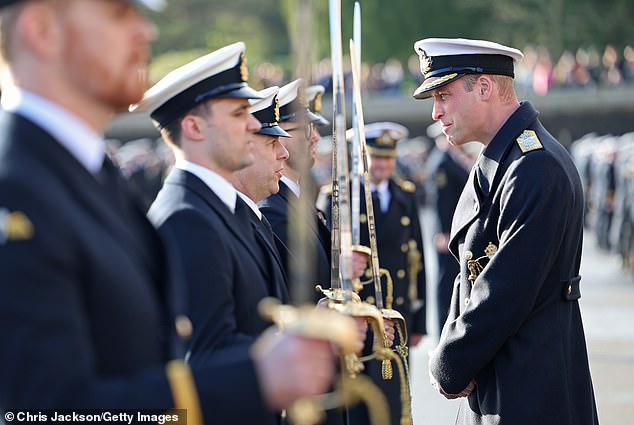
317,103
425,62
385,139
277,109
244,72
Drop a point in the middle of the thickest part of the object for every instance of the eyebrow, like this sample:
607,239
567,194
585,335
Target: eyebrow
241,108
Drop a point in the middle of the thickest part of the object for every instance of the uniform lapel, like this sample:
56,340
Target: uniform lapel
197,186
85,187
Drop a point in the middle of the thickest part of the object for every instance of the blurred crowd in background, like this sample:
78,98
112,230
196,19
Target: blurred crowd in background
606,165
538,73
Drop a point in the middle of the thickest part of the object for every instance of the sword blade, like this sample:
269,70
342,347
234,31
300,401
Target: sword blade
356,82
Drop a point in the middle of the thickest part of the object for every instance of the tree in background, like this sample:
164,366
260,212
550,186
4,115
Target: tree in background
389,27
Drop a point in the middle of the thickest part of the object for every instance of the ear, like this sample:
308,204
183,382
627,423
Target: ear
193,127
485,84
40,29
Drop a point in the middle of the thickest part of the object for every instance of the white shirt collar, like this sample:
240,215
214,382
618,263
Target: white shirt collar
250,203
381,187
293,186
78,138
221,187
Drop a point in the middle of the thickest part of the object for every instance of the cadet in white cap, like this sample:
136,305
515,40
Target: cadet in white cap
299,122
314,96
261,179
202,109
514,321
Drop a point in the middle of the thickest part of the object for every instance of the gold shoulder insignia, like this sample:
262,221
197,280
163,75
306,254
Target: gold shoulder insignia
406,185
14,226
528,141
326,189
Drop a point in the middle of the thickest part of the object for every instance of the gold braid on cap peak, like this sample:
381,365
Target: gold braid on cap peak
438,81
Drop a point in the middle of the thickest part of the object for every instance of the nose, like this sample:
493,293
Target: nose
282,152
436,112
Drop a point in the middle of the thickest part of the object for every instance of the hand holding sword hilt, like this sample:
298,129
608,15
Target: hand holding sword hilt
331,325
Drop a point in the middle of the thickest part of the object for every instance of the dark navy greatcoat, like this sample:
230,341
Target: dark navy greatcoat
87,297
515,327
225,272
450,178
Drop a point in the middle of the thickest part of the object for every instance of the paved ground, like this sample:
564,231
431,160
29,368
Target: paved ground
607,307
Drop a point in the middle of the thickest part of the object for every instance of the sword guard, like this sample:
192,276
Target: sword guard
362,249
338,294
311,322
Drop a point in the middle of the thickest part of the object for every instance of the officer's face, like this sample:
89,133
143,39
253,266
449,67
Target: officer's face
104,48
262,178
302,144
461,113
381,168
230,130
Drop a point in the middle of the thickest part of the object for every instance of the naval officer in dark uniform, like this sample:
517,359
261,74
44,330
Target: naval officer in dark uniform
261,179
202,110
513,345
90,297
400,248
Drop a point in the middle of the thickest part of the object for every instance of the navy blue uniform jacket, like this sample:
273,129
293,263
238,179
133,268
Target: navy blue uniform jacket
516,328
276,209
86,295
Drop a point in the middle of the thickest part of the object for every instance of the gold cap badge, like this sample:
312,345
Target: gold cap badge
277,109
244,72
385,139
425,62
317,103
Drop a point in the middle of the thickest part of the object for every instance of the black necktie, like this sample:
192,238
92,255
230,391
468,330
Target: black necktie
111,181
376,203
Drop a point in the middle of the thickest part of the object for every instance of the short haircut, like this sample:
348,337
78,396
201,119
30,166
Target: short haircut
172,132
504,83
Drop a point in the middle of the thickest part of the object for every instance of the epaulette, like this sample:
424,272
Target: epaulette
326,189
528,141
406,185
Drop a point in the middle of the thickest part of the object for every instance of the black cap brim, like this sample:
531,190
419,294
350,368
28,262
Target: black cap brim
318,119
274,130
432,83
